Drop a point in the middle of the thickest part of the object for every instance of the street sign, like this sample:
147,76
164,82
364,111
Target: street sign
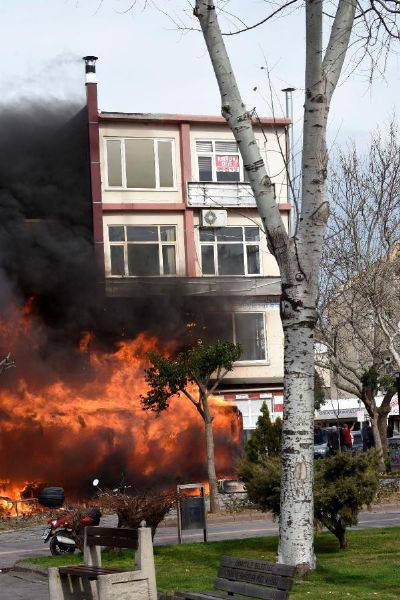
360,416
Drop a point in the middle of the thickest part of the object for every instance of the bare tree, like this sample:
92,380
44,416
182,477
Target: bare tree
359,315
6,363
298,256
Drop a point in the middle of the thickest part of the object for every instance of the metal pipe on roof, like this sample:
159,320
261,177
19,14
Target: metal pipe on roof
290,156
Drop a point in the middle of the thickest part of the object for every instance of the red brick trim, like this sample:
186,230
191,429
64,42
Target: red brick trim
186,175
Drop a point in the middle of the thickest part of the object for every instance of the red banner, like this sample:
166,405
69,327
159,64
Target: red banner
228,163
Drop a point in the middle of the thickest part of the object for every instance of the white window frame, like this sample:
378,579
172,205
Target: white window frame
156,163
160,243
213,167
261,361
244,242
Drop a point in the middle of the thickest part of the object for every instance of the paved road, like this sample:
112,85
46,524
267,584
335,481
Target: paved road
24,543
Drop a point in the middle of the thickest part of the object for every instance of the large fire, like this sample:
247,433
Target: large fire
88,422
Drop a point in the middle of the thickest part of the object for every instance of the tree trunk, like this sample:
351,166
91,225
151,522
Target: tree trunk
296,523
299,258
340,533
212,476
378,441
382,427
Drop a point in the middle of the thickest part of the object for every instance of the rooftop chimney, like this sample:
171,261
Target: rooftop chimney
90,68
94,157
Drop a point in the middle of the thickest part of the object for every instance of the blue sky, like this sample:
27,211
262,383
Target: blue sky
147,65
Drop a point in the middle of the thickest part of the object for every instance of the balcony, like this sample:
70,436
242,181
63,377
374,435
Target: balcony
200,287
219,194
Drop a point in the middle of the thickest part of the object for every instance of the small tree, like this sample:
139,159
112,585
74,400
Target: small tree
200,368
343,484
266,439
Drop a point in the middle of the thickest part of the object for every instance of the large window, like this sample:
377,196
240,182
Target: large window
230,250
249,332
244,328
219,161
142,250
140,163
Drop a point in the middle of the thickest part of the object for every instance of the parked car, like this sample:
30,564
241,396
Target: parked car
321,449
357,441
231,486
394,451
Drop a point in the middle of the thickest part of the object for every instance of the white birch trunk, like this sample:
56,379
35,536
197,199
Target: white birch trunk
298,259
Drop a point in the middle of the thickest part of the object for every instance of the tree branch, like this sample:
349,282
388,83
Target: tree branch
338,44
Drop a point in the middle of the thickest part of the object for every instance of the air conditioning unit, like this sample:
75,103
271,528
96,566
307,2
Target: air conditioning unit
214,218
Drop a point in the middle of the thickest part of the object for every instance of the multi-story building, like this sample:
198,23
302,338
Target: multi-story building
172,210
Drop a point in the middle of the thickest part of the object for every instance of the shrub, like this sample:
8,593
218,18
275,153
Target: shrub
131,510
266,438
343,484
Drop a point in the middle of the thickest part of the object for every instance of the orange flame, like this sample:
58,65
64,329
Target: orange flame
64,430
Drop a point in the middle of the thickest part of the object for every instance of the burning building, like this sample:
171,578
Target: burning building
172,210
100,265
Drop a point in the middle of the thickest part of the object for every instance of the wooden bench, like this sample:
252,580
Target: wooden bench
91,581
246,577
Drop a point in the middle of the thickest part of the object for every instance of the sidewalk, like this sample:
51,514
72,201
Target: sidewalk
17,585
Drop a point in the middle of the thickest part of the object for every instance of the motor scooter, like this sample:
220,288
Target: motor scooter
59,530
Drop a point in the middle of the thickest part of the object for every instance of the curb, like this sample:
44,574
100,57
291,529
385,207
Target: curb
27,567
235,518
378,508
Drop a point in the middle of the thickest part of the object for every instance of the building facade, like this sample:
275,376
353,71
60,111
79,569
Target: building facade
172,210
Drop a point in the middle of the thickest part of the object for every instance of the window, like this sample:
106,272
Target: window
140,163
249,332
244,328
142,250
219,161
230,250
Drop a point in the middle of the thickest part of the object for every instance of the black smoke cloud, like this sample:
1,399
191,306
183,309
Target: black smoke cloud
46,246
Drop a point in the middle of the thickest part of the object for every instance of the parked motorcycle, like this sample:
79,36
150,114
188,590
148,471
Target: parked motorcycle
59,530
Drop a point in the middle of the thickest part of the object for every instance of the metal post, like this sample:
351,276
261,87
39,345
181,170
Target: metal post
178,514
205,530
290,156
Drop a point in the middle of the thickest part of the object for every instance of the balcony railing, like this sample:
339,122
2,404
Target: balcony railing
219,194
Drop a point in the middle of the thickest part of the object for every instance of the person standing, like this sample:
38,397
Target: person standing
367,436
347,444
333,441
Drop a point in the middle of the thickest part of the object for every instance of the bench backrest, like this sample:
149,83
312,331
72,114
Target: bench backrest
254,578
112,537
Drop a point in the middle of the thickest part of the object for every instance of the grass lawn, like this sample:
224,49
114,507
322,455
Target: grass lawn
368,569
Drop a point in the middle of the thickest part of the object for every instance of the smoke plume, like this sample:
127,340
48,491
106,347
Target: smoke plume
70,408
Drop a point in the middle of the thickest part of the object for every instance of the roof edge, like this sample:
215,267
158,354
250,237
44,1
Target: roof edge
178,118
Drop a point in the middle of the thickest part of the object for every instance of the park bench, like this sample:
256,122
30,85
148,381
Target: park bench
246,577
91,581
